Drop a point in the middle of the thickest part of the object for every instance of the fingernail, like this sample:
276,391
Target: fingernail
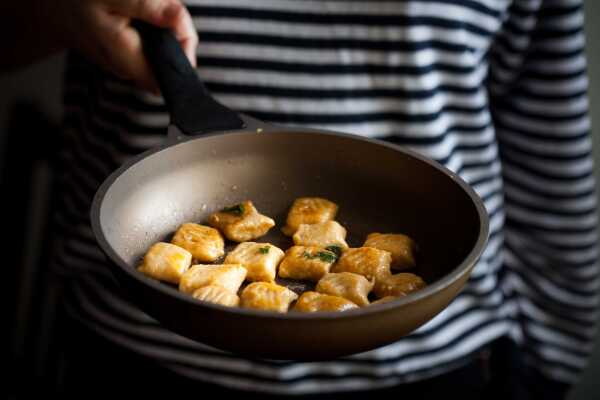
171,10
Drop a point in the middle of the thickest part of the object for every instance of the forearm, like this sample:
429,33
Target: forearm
28,32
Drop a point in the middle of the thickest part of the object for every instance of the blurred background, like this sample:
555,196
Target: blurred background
30,110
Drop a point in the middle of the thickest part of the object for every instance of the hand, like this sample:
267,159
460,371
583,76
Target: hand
101,30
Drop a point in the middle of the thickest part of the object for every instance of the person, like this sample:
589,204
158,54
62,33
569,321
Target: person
494,90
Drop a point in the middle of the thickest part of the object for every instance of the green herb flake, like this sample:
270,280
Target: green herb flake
264,250
238,209
337,250
325,256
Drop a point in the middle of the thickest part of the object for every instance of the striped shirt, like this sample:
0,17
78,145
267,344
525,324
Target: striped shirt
493,89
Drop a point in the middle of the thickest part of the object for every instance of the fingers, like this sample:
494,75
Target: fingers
164,13
156,12
185,32
130,60
108,38
121,51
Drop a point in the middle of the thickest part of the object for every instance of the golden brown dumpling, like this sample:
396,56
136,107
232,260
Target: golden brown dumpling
324,234
260,259
401,247
309,210
398,285
313,301
218,295
166,262
306,263
348,285
241,222
267,296
367,261
205,243
228,276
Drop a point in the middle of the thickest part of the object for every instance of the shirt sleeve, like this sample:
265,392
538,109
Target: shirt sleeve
537,89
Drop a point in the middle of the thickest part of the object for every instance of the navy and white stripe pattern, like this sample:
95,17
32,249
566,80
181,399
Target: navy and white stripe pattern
493,89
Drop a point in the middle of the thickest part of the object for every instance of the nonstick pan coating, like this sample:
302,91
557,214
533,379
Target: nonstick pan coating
216,158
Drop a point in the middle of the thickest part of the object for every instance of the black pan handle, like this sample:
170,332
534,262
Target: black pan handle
193,110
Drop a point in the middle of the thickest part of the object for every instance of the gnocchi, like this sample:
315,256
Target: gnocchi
259,259
398,285
267,296
373,264
252,274
313,301
348,285
306,263
324,234
166,262
228,276
241,222
309,210
400,246
205,243
218,295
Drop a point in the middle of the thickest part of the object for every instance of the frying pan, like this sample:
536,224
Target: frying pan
215,157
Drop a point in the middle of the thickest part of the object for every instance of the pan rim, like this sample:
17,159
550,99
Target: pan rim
268,129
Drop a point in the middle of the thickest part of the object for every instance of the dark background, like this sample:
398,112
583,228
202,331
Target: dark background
30,113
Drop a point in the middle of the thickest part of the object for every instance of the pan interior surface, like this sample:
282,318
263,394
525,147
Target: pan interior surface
378,189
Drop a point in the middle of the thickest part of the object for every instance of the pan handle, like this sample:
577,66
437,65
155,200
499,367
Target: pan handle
193,110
